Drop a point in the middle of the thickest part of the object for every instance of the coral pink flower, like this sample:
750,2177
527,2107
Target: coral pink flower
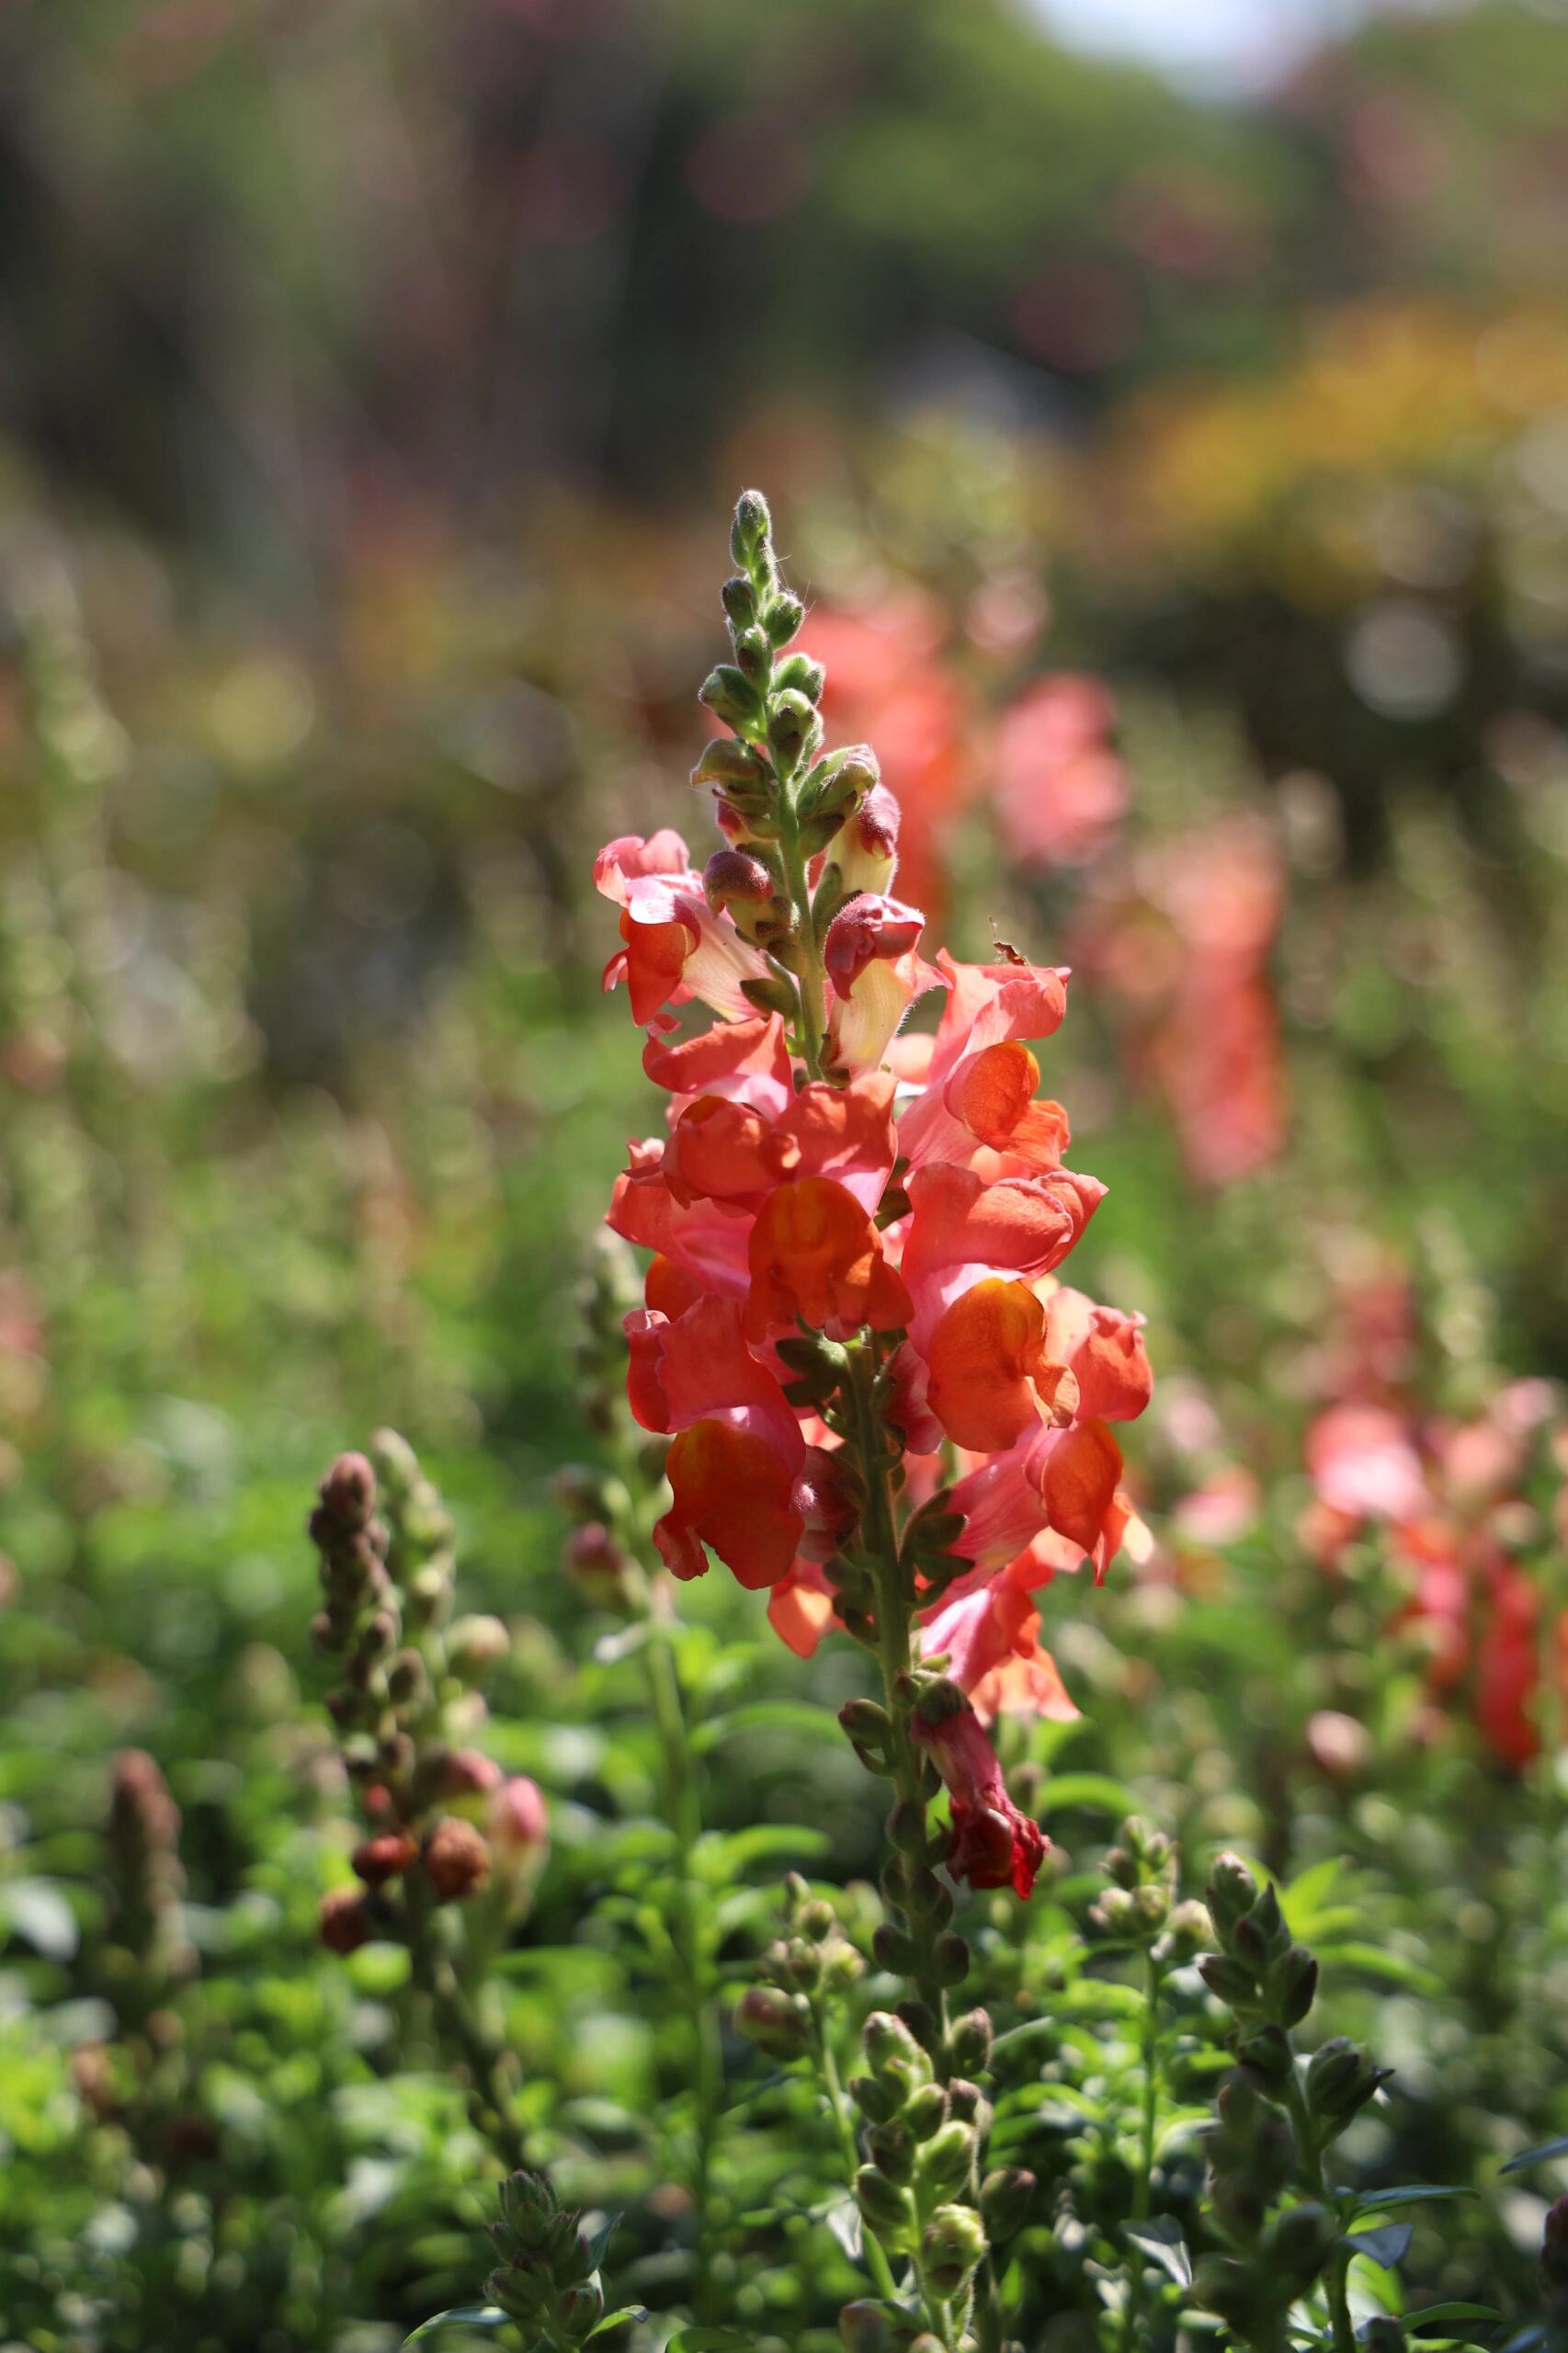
1060,790
675,943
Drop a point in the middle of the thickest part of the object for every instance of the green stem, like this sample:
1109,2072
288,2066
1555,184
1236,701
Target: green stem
811,980
458,2025
877,2263
1143,2187
894,1615
683,1811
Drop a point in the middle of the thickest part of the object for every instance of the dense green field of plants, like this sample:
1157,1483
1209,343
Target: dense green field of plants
503,1484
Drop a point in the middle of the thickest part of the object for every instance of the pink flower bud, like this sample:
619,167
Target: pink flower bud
519,1827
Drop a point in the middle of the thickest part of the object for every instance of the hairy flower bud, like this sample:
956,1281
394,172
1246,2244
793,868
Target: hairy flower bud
456,1860
951,2244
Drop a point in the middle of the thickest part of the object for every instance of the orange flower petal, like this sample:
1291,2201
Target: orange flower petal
814,1252
731,1492
1080,1482
983,1353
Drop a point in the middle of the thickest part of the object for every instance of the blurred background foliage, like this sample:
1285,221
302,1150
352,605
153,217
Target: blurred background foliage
374,385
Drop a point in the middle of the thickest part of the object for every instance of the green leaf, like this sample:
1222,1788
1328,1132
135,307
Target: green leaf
1376,1960
1162,2241
1387,2245
617,2320
485,2316
724,1856
768,1715
1413,2193
1539,2154
1095,1791
1450,2312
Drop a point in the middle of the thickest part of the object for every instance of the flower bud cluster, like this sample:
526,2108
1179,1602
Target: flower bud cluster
1275,2257
1274,2119
410,1704
923,2141
143,1932
1143,1904
811,1964
548,2278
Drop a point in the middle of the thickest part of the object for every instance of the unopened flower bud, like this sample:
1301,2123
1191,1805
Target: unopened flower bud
469,1773
951,2244
891,2151
869,2327
886,2207
1190,1931
378,1860
1298,2244
926,2110
1230,1893
456,1858
599,1567
344,1920
476,1644
946,2159
1006,2196
777,2023
969,2042
517,1825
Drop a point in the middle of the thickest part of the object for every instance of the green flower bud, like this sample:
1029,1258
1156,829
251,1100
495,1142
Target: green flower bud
893,2152
752,527
892,1951
951,2244
1293,1984
951,1957
969,2042
947,2158
1006,2196
1298,2244
784,617
476,1644
892,2051
887,2209
739,600
926,2110
1230,1893
1266,2054
1190,1929
868,2327
803,675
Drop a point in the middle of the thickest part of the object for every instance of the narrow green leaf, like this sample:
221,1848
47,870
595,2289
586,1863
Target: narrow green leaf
485,2316
1413,2193
1450,2312
617,2320
1539,2154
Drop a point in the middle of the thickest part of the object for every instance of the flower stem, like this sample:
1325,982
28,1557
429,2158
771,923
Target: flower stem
1143,2187
683,1811
877,2263
894,1617
809,979
458,2025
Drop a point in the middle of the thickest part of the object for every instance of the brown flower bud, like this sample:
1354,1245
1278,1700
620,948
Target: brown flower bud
457,1858
344,1923
383,1858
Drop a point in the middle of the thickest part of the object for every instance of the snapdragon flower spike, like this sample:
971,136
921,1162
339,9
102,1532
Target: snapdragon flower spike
855,1230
